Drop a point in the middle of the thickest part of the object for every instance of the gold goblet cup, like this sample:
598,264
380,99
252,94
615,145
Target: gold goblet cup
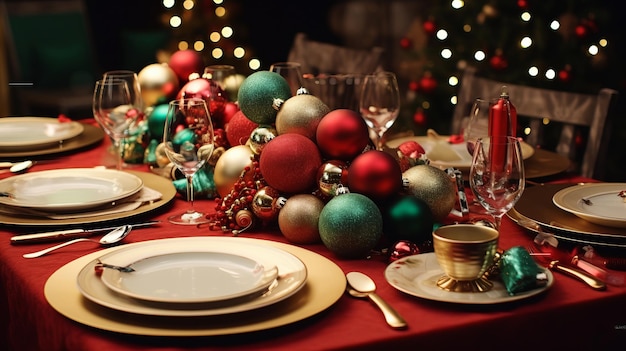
465,252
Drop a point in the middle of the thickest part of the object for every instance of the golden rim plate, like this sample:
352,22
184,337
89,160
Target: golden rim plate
602,204
536,203
448,155
68,190
292,276
325,285
417,275
90,135
27,133
153,181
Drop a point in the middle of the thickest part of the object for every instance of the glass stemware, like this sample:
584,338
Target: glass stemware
134,87
292,73
113,110
380,104
188,140
497,175
478,124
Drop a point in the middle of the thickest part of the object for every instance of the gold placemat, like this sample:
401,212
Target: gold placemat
536,204
325,284
153,181
89,136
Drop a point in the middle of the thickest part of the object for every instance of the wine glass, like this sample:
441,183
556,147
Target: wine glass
134,86
188,140
380,104
478,123
497,174
113,110
292,73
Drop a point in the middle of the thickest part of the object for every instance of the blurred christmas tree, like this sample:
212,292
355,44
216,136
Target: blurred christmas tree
563,45
212,28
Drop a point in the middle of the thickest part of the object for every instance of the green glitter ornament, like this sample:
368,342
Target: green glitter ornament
261,94
350,225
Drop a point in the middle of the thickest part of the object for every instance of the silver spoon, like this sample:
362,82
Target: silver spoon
360,285
17,166
112,237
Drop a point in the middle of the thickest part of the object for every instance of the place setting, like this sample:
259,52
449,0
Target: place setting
219,284
38,136
80,195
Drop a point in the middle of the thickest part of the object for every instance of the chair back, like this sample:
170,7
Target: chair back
572,112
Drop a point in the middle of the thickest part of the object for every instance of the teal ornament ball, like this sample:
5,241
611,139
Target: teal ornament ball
184,136
408,218
350,225
261,94
203,184
156,121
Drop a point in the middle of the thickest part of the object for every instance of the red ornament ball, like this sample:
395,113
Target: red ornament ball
498,62
581,31
405,43
414,86
403,248
342,134
239,128
522,4
428,84
429,27
186,62
230,108
419,117
375,174
210,92
564,75
289,163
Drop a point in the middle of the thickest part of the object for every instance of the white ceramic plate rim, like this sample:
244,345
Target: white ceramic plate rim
250,276
127,183
417,275
569,199
292,275
31,140
460,149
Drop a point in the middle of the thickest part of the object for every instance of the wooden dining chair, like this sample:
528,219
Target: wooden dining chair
50,52
555,119
323,58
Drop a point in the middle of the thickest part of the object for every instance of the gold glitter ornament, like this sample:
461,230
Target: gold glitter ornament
433,186
298,219
229,166
301,114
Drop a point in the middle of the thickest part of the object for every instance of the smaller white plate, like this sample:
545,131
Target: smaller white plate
606,208
35,132
444,155
417,275
68,190
191,277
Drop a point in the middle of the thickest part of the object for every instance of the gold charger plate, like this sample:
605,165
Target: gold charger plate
545,163
153,181
325,284
89,136
536,204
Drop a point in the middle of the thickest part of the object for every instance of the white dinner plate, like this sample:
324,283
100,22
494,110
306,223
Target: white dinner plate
605,206
443,154
291,278
68,190
191,277
19,133
417,275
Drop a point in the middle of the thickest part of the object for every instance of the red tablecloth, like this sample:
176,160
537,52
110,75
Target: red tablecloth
569,315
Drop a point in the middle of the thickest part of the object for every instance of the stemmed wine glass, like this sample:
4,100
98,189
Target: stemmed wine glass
188,140
134,87
113,110
292,73
497,174
478,123
380,104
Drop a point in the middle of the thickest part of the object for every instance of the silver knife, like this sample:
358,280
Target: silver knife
68,234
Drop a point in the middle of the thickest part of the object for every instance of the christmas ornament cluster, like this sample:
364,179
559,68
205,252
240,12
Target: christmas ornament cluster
290,161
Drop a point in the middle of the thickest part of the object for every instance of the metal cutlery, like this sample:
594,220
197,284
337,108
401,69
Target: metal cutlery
69,234
360,285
